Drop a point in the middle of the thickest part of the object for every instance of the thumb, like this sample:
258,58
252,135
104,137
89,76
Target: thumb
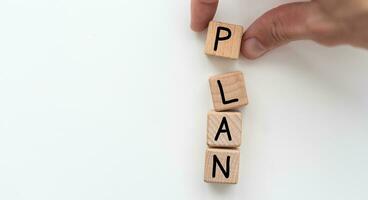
279,26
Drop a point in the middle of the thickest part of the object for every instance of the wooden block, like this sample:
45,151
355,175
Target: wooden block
223,40
222,166
224,129
228,91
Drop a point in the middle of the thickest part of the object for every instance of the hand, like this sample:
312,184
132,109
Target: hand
328,22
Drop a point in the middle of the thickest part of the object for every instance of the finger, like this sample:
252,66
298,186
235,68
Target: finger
202,12
289,22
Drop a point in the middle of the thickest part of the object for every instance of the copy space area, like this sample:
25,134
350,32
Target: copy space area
109,100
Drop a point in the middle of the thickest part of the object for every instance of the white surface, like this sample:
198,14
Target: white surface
108,100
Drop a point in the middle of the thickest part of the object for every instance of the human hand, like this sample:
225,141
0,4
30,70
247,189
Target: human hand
328,22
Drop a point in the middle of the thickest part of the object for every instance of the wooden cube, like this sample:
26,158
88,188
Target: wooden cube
223,40
228,91
224,129
222,165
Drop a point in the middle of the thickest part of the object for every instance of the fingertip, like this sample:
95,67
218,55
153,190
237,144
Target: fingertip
275,28
197,27
202,12
251,48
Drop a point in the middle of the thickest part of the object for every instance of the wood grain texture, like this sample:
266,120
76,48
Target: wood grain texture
222,155
223,125
229,48
233,87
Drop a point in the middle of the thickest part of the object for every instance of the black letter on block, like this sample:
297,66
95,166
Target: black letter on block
224,101
218,38
225,172
222,130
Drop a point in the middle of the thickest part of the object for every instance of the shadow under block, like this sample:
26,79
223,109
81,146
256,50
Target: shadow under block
223,40
222,166
224,129
228,91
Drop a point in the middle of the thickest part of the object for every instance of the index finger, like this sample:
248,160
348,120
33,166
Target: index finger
202,12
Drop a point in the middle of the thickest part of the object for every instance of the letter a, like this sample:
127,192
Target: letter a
224,128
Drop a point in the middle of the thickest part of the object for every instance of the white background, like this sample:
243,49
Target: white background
108,100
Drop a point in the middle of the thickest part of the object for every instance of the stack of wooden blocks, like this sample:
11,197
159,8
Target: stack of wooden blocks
224,124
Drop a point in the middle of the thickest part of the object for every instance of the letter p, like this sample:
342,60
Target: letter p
218,36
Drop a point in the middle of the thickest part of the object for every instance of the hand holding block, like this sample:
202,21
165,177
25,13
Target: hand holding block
223,40
224,129
222,166
228,91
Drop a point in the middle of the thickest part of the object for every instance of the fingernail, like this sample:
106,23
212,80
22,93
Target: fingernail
252,48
